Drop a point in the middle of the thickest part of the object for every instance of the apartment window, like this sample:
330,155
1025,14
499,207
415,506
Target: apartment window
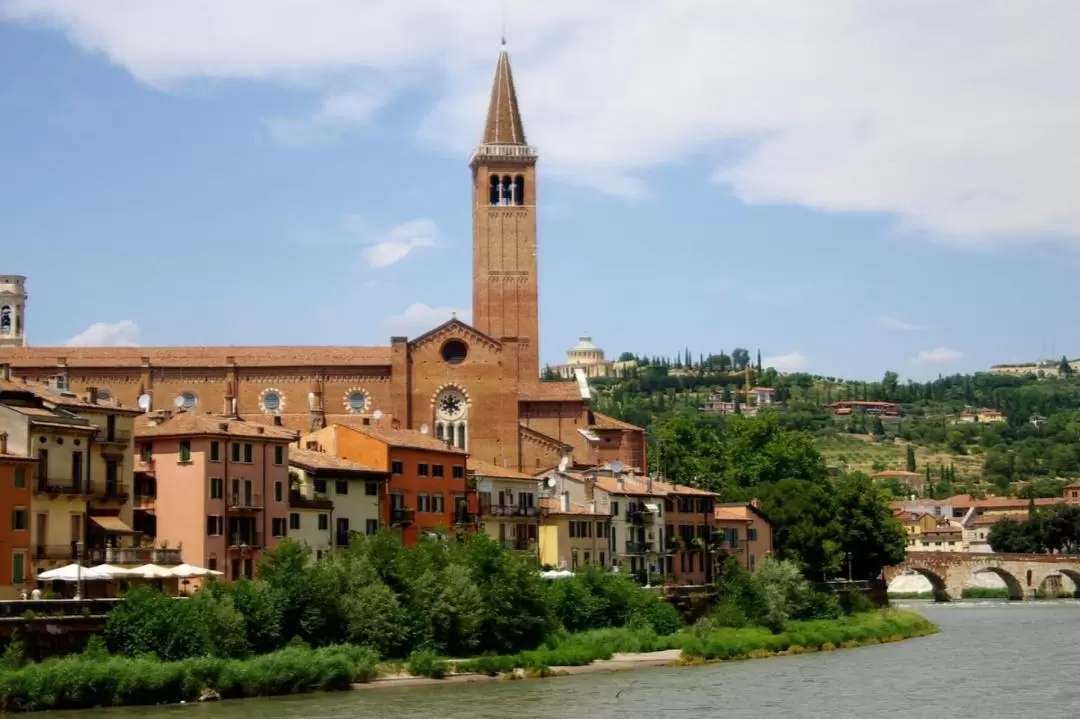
279,455
320,486
457,471
371,489
437,470
614,509
423,503
751,534
19,521
324,522
235,450
215,525
20,477
247,452
18,567
217,488
279,492
77,468
371,526
211,564
146,451
438,503
586,558
294,521
185,450
277,526
603,560
422,469
215,451
396,467
342,487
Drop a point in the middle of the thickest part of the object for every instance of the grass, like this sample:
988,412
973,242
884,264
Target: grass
911,595
861,453
84,681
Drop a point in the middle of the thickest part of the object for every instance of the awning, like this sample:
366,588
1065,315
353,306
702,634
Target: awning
652,508
113,525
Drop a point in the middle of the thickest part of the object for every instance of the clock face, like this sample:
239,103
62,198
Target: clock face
451,406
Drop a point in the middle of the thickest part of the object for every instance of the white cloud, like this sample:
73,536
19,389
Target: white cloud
938,355
794,361
419,318
397,243
955,117
891,322
124,333
335,113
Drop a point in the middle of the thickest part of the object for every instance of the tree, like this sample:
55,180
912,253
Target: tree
911,458
1064,368
871,538
740,358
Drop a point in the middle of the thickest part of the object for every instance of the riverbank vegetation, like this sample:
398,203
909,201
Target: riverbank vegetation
383,609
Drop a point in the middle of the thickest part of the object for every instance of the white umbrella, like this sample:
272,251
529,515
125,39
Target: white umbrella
73,573
188,571
109,571
151,571
556,574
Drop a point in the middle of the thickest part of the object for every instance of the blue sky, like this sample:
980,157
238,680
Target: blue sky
817,186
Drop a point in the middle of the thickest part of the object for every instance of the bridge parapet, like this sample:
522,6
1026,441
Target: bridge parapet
950,572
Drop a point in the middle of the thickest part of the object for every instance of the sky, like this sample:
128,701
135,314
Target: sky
848,186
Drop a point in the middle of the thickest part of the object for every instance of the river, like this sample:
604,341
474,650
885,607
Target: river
991,659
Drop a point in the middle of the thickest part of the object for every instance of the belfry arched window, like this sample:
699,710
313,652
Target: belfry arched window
507,190
5,320
519,190
495,191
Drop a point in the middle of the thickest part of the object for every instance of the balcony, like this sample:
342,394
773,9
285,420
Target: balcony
66,552
464,516
245,501
145,502
509,510
63,486
640,516
122,439
401,516
639,547
242,540
133,555
520,545
111,490
144,463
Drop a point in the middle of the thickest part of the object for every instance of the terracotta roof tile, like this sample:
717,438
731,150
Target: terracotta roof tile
731,514
551,392
269,356
185,424
46,394
311,460
17,458
552,507
899,473
487,469
602,421
402,438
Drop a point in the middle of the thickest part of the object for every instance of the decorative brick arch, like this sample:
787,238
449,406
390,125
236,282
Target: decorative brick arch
456,431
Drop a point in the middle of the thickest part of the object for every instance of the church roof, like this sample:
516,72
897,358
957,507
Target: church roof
584,343
195,356
503,126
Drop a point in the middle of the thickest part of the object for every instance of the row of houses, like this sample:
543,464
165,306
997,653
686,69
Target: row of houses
91,481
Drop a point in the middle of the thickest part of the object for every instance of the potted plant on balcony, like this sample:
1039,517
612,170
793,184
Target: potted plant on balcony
674,543
697,543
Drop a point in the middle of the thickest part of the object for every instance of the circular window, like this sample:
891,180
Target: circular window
104,395
356,402
59,440
43,440
185,400
271,401
77,442
451,405
455,352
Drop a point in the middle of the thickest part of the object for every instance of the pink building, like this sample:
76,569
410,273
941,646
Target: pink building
217,488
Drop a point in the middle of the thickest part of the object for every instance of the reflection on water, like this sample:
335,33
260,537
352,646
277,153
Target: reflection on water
991,659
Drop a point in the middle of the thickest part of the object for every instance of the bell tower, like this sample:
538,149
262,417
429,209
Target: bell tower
504,226
12,311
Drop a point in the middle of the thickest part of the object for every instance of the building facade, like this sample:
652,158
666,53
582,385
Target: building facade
426,492
746,533
222,487
508,505
16,476
332,498
477,385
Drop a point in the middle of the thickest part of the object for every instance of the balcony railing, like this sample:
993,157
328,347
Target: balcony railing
145,501
63,486
464,516
120,438
639,547
111,490
509,510
67,552
245,500
520,545
400,515
133,555
245,539
144,463
640,515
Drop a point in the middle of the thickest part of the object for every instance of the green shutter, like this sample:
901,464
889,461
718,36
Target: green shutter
235,452
20,477
185,450
18,568
247,453
215,451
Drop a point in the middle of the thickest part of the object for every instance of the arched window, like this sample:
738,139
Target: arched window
494,191
507,190
5,320
519,190
440,430
452,417
461,435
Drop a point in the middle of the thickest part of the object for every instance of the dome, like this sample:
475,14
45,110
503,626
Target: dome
585,344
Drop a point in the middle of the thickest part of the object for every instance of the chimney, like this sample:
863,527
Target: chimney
3,442
223,426
91,395
5,372
648,484
395,424
564,502
622,482
229,410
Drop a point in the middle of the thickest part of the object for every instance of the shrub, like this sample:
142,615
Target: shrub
426,664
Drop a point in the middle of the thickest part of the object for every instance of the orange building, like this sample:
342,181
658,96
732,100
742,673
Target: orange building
689,524
427,490
747,533
220,487
477,385
16,475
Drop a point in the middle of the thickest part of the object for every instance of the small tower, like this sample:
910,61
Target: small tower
12,311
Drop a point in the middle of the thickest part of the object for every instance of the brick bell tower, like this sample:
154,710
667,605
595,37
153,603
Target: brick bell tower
504,226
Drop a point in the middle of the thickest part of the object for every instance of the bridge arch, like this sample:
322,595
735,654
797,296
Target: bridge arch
937,584
1014,586
1046,586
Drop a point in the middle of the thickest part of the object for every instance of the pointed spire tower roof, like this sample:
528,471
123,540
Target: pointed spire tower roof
504,133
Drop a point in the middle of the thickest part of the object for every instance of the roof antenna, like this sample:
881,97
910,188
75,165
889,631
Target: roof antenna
502,35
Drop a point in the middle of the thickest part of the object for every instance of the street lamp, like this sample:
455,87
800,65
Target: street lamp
78,570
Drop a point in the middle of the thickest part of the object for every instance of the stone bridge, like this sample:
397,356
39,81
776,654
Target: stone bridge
1024,574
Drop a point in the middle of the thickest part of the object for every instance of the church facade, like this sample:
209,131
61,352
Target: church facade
476,386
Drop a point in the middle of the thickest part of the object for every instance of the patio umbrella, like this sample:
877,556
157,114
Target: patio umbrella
190,571
72,573
151,571
109,571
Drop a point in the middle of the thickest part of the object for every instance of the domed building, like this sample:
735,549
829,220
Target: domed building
587,356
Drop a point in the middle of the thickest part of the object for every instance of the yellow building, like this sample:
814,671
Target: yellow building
331,498
507,503
573,535
81,493
927,533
